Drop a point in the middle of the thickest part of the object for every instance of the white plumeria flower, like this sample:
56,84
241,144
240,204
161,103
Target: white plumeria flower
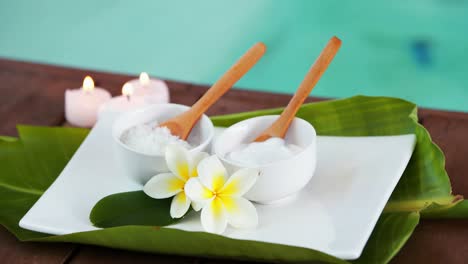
222,197
182,166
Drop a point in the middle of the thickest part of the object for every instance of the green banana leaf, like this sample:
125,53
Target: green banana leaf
131,208
32,162
460,210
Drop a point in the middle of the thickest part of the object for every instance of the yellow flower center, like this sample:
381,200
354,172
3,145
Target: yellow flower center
183,170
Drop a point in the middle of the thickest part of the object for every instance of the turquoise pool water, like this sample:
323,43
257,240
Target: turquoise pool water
410,49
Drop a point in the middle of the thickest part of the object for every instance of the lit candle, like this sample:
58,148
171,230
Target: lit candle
81,105
155,91
126,102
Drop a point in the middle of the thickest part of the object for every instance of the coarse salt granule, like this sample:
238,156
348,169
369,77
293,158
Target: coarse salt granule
151,139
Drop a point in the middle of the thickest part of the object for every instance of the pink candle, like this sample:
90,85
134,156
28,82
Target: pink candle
126,102
81,105
155,91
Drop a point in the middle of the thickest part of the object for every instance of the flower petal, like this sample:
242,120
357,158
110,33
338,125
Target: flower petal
196,158
178,161
197,192
179,205
213,217
197,206
240,182
212,173
241,213
163,185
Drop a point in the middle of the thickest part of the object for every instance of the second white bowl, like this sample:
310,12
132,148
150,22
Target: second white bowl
279,179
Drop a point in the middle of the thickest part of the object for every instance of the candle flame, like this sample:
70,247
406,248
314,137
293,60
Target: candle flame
144,78
127,89
88,84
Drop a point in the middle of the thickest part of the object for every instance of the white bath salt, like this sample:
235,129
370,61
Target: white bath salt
261,153
151,139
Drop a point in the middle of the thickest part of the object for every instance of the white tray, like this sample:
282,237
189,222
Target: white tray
335,213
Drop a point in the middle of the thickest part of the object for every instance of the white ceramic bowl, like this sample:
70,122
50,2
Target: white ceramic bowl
279,179
141,166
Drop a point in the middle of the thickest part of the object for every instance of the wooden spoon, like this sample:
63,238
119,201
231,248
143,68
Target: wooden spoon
281,125
182,124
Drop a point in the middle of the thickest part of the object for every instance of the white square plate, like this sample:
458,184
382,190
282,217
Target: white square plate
335,213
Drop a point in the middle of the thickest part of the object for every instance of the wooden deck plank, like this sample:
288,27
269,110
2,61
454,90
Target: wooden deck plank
93,254
15,252
436,241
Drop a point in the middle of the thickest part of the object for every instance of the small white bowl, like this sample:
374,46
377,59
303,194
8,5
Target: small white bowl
141,166
279,179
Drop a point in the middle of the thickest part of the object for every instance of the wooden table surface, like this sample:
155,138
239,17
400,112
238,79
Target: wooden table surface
34,94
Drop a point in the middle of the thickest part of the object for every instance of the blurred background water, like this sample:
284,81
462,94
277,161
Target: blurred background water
413,49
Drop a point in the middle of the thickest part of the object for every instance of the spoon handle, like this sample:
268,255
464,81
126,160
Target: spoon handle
230,77
281,125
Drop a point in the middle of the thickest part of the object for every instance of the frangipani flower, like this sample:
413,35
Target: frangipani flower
182,166
222,197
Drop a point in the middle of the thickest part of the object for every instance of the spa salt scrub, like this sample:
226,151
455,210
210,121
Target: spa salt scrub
261,153
151,139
